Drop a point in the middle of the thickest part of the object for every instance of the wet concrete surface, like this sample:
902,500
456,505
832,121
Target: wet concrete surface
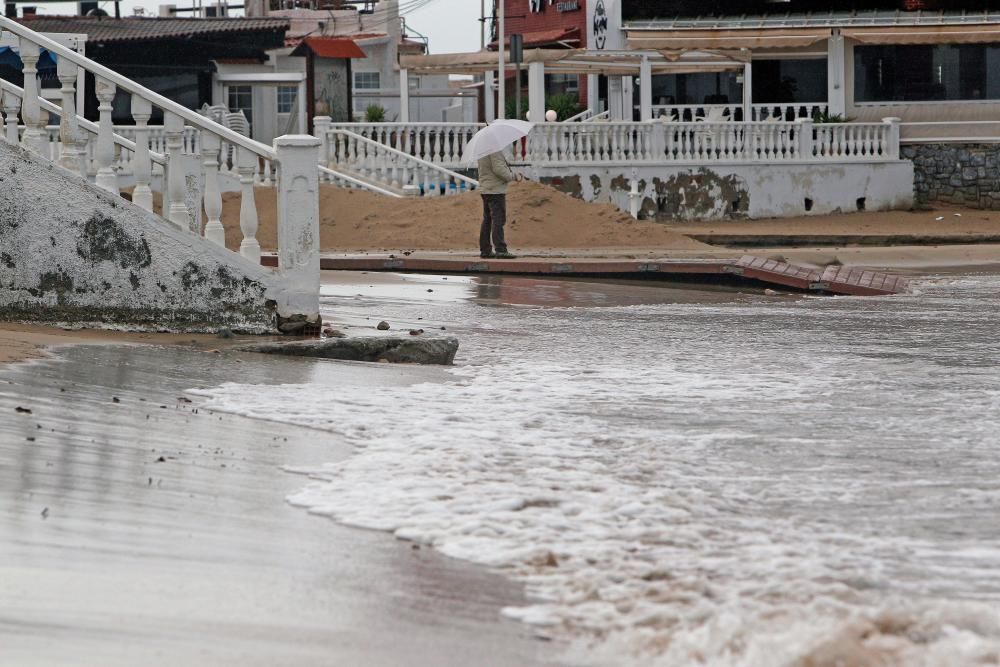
137,530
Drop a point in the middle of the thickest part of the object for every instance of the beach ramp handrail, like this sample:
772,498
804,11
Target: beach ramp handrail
440,143
190,156
394,168
347,181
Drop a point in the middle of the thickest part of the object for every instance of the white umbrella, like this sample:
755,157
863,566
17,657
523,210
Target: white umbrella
495,137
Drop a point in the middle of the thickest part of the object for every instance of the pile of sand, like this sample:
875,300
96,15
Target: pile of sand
538,217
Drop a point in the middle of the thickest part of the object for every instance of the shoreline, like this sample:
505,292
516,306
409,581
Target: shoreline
20,341
135,528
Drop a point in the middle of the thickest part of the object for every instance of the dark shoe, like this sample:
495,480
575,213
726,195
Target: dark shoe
505,255
487,255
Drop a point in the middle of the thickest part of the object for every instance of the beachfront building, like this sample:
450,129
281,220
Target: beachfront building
380,32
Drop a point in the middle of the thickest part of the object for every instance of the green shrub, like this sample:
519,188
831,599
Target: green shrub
375,113
565,106
827,117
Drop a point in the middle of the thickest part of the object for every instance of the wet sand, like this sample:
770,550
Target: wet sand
139,531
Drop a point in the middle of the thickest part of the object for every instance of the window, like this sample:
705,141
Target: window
898,73
784,81
286,98
562,84
367,80
241,99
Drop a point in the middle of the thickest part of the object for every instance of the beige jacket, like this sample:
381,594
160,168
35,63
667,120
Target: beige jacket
494,174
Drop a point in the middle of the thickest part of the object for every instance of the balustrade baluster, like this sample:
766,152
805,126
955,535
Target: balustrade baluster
106,176
34,127
214,231
68,127
176,211
142,195
247,165
11,105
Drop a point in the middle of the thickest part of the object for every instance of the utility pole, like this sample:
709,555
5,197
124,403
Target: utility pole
482,25
501,78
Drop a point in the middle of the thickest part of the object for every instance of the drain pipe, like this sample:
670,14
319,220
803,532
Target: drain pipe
634,197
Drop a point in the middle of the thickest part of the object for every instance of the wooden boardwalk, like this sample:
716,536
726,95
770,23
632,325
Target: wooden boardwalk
837,280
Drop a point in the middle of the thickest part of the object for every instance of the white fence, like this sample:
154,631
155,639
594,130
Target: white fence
788,111
704,143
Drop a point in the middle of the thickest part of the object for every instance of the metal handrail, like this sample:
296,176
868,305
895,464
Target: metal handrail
124,83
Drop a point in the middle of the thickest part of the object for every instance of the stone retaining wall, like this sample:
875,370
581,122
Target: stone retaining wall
963,174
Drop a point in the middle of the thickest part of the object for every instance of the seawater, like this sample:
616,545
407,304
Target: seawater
689,477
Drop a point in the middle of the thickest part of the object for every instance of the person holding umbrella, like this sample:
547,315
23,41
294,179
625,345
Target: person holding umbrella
486,147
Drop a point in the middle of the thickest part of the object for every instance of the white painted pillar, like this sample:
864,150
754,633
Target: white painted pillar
68,128
81,80
489,87
645,89
303,107
748,91
404,95
626,97
594,93
106,176
11,105
142,195
298,225
247,166
174,208
614,98
214,231
536,92
892,147
34,138
836,64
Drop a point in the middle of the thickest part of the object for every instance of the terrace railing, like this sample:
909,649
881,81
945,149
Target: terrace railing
189,156
710,142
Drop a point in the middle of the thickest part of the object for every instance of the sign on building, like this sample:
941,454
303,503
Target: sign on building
604,25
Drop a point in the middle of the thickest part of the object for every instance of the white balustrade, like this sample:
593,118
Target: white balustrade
395,169
106,177
142,166
189,157
437,143
247,167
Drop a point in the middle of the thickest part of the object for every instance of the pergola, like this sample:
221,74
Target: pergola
625,64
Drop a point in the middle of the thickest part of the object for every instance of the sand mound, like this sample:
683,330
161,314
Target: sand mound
538,217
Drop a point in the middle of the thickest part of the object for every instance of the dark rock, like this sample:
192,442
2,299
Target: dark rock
334,333
224,333
24,411
383,326
416,332
292,327
395,350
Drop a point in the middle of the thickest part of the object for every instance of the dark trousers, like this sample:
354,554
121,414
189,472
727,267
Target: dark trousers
494,218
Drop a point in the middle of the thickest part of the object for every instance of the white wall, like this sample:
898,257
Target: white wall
740,191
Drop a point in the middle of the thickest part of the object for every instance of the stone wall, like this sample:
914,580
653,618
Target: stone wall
963,174
71,252
738,191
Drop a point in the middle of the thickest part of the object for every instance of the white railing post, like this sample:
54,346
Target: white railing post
892,141
806,144
298,223
247,166
11,104
321,128
214,231
106,177
142,168
34,129
176,210
68,127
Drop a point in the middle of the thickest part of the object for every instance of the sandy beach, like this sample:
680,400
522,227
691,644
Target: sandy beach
137,530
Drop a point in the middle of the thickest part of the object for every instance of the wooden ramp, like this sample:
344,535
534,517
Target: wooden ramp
838,280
